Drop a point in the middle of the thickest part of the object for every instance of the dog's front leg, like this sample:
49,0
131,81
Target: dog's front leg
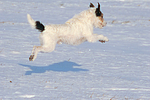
95,37
103,39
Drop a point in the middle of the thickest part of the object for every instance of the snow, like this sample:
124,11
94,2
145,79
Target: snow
116,70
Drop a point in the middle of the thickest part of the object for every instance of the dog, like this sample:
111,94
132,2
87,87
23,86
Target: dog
74,32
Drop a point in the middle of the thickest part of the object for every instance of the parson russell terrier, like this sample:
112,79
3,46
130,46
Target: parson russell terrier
75,31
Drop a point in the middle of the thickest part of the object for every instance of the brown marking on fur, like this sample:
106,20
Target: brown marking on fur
101,17
91,5
31,57
98,6
59,42
102,41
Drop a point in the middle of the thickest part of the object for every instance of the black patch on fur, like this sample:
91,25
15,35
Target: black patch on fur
98,12
40,26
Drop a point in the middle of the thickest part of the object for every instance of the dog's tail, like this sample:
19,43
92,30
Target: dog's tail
35,24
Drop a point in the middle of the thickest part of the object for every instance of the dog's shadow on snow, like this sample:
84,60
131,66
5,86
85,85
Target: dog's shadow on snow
64,66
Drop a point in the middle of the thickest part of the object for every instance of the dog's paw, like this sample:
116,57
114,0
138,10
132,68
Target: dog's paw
104,40
31,57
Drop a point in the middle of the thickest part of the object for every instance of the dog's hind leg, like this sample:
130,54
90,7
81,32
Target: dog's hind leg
37,49
34,53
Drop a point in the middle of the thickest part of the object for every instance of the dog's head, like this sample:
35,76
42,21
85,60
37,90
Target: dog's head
98,20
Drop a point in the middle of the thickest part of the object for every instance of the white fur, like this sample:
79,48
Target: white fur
31,21
73,32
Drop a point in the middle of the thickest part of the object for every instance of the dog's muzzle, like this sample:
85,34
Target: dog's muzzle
104,23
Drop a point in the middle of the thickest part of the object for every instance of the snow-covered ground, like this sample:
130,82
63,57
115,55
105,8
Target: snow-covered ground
116,70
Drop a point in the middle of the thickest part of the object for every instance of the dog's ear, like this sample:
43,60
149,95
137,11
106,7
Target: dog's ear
98,12
91,5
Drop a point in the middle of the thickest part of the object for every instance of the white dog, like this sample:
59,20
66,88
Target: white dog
75,31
